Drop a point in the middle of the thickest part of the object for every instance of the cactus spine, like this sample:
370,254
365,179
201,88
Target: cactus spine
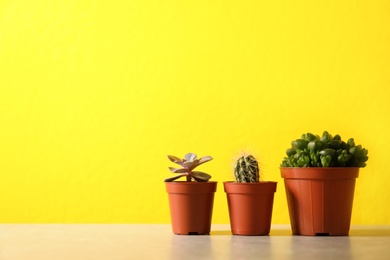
246,169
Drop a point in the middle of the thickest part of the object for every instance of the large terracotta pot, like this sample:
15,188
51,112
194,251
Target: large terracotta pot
320,199
191,206
250,207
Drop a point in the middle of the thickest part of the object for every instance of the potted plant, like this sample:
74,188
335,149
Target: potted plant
250,201
191,201
319,176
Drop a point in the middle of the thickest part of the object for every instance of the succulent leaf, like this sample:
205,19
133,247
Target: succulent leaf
337,137
326,137
205,159
350,143
175,159
190,157
328,151
290,152
189,163
308,137
299,144
174,178
197,175
195,164
326,160
201,161
314,145
178,170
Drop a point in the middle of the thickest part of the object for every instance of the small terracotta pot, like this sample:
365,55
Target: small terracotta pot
191,206
250,207
320,199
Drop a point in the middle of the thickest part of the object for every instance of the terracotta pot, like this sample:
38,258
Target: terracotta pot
250,207
320,199
191,206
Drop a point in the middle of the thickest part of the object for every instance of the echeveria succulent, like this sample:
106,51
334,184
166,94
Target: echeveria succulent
325,151
188,164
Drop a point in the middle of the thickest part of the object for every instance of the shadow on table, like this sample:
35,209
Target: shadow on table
220,233
280,232
356,232
272,233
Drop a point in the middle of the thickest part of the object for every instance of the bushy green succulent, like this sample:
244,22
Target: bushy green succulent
246,169
325,151
188,164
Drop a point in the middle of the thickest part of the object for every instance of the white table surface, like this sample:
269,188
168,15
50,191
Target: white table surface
156,241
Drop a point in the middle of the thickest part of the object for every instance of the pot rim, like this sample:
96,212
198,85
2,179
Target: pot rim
250,187
190,182
248,183
319,172
191,187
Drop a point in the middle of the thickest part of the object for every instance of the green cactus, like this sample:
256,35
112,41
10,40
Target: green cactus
246,169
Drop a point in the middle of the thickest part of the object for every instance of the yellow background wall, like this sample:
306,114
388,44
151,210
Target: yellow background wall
95,94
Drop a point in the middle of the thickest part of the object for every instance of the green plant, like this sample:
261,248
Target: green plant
246,169
188,164
326,151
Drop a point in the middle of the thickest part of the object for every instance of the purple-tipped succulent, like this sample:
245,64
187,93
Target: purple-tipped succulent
188,164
